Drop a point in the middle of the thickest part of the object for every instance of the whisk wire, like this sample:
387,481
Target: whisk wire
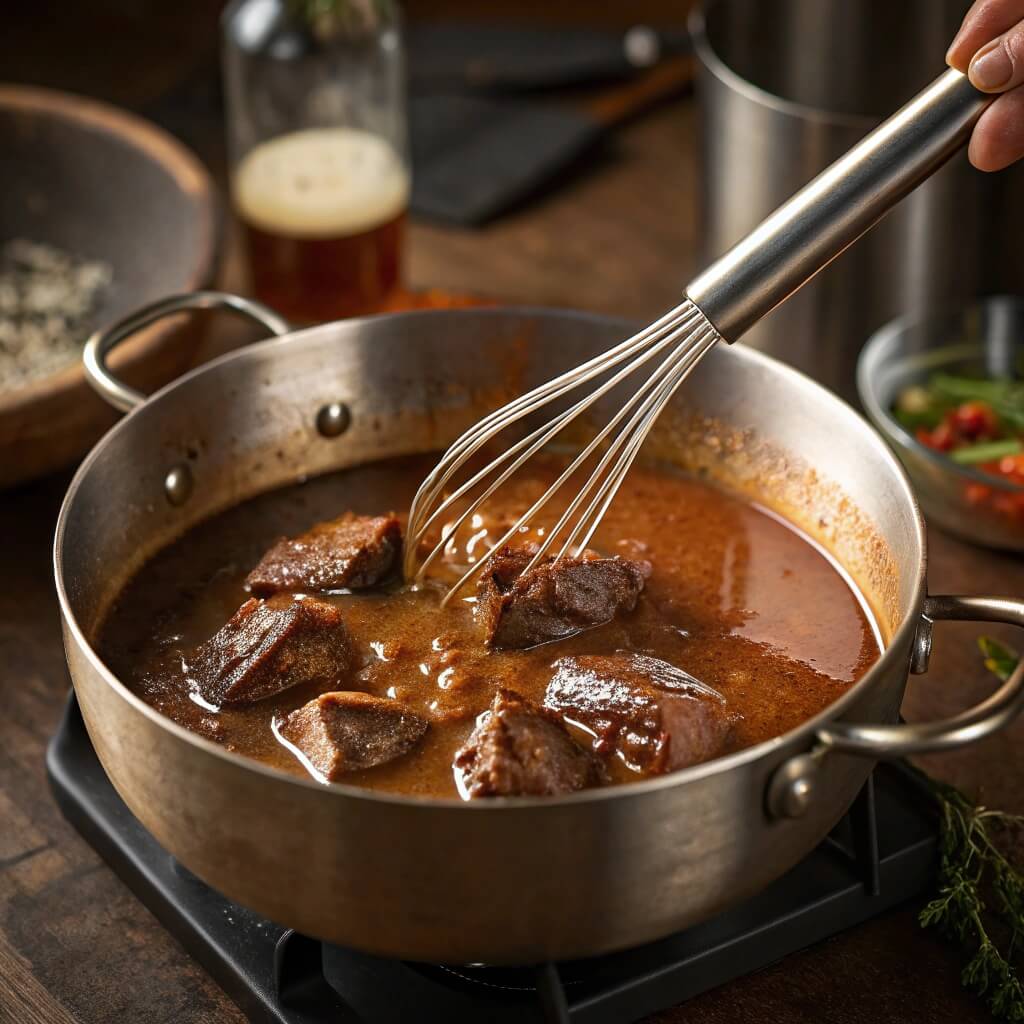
533,442
478,435
622,467
550,492
683,331
649,388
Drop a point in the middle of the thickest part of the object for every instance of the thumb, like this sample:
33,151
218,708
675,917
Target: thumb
999,65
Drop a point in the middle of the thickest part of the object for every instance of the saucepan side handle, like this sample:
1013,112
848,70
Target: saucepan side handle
792,784
94,356
887,741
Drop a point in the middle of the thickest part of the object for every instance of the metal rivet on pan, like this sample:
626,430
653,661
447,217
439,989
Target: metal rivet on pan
794,798
333,419
178,484
792,786
798,797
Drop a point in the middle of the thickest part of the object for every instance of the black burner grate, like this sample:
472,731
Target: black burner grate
881,854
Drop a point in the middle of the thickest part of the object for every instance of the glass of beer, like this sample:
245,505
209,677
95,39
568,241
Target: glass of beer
318,151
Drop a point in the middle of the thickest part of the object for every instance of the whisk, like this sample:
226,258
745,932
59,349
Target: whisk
784,252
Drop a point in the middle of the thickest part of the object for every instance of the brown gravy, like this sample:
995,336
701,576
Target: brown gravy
736,598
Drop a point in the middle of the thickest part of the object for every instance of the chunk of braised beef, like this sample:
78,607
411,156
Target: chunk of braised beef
652,715
344,731
348,553
521,749
268,646
555,599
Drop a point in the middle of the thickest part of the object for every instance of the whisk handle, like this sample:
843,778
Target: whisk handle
808,231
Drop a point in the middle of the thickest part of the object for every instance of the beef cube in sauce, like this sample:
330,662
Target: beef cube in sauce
268,646
344,731
521,749
349,553
556,598
653,716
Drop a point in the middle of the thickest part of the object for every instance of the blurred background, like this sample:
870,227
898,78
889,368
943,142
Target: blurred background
335,158
591,156
163,61
551,147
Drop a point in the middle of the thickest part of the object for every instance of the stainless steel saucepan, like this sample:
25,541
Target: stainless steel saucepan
513,880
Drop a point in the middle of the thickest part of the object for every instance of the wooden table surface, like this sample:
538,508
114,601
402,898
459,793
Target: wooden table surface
75,945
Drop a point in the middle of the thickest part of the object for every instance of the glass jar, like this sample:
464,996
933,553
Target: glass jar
318,152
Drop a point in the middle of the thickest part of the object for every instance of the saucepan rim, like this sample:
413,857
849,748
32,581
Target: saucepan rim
715,63
805,731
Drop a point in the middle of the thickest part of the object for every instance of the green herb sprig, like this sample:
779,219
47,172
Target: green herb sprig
972,865
999,659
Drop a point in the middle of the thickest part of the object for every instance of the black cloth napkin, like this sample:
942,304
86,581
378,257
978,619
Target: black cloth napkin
481,151
474,158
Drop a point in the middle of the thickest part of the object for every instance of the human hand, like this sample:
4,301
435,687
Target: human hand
989,49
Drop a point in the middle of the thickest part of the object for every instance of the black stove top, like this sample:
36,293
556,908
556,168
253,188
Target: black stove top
881,854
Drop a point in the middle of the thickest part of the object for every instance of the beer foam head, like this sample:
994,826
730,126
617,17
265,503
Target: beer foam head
321,182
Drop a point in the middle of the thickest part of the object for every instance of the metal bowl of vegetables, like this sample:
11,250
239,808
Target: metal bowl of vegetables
947,392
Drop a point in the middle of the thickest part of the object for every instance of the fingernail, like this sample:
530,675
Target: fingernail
991,67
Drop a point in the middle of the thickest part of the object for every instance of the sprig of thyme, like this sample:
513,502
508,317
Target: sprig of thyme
972,865
999,658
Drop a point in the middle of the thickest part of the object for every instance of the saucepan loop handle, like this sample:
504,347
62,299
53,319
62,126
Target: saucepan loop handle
887,741
792,785
94,356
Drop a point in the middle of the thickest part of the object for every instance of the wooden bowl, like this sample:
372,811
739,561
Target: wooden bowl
104,184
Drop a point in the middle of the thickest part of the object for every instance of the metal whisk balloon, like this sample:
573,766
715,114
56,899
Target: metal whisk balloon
761,271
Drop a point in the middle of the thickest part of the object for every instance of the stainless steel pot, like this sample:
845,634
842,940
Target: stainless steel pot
503,881
787,86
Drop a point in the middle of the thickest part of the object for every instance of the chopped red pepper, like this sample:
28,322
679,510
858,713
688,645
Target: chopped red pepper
942,438
973,421
968,423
